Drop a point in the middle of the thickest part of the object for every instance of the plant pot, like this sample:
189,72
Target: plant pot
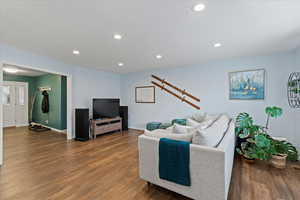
278,161
248,160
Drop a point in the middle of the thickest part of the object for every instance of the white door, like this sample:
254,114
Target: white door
8,104
21,106
15,104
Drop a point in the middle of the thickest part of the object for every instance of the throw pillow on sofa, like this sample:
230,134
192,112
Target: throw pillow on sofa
179,121
153,125
206,124
161,133
191,122
203,125
179,129
199,117
212,135
165,125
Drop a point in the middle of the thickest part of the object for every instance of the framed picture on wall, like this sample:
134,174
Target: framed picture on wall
247,85
145,94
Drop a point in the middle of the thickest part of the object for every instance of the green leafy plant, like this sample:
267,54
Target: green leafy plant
246,151
284,147
245,127
254,141
272,112
257,147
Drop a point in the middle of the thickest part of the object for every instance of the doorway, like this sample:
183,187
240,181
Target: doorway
15,104
17,93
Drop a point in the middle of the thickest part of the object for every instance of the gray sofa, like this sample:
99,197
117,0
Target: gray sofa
210,168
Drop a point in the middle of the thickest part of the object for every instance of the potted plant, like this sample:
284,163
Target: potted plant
283,151
278,159
255,143
259,147
252,142
282,148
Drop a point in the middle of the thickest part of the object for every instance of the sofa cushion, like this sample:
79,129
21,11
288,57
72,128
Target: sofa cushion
212,135
179,121
179,129
165,125
161,133
153,125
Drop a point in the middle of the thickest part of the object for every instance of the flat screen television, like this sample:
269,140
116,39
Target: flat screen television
106,108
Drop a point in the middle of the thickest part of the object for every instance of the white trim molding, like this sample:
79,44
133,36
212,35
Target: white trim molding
53,129
1,115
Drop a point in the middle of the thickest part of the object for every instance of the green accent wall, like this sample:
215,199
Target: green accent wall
57,116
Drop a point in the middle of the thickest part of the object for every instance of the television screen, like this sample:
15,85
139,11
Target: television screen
106,108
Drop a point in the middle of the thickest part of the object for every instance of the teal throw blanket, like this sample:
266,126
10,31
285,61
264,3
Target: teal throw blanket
174,161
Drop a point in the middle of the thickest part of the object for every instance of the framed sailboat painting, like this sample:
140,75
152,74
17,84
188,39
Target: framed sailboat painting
247,85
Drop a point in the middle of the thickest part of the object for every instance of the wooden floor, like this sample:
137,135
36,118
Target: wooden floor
44,165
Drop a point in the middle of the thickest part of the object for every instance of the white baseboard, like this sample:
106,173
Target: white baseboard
53,129
9,126
16,125
139,129
20,125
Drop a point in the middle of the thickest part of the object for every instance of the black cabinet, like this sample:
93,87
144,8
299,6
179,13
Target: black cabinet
124,116
82,124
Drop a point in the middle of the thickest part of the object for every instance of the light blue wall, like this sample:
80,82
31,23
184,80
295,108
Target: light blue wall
86,82
210,83
297,111
297,55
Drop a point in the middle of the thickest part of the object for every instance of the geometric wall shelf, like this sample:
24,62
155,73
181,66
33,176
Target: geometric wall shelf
293,90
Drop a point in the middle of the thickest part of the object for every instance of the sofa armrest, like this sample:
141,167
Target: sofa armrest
207,169
228,146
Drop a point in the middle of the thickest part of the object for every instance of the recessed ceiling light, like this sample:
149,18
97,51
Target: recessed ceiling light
76,52
199,7
217,45
10,70
120,64
158,56
117,36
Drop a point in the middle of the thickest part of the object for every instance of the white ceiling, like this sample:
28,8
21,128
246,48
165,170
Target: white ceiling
23,71
149,27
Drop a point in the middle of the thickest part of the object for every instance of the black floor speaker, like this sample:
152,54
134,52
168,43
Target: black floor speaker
124,116
82,124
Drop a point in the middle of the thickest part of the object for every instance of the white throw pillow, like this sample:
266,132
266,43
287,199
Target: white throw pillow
206,124
202,125
170,128
192,123
160,133
180,129
199,117
212,135
211,116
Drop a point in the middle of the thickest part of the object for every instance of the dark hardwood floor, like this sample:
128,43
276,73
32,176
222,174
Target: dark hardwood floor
45,166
